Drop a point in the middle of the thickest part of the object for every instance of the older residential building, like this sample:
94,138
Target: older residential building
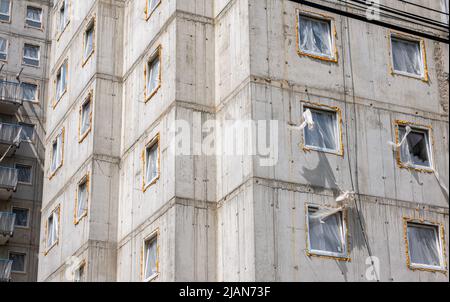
24,45
353,188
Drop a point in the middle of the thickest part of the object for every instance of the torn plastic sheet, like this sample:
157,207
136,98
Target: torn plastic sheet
440,181
307,121
345,196
323,213
403,141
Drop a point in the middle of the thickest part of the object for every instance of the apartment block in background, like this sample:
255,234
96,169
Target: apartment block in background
124,202
24,44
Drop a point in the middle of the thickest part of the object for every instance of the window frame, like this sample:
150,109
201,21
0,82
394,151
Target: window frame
333,35
155,235
28,216
89,98
30,140
91,25
154,141
148,13
58,98
86,181
41,17
31,173
62,29
36,96
427,130
57,210
440,240
55,139
25,262
9,15
38,59
340,136
345,256
6,50
157,54
402,36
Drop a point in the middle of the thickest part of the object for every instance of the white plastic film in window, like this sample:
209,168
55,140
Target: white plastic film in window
407,56
153,75
424,245
63,15
152,4
82,199
52,224
89,41
31,54
5,10
151,258
85,117
34,17
324,135
56,153
3,49
416,150
152,163
326,233
61,80
315,36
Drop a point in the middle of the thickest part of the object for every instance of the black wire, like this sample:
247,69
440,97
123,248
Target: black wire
424,7
402,13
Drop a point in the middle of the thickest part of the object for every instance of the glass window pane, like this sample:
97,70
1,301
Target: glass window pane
27,132
151,257
326,234
152,163
89,42
21,217
34,17
29,92
152,5
18,262
315,36
85,117
424,247
24,173
416,149
153,75
407,56
82,198
5,7
324,134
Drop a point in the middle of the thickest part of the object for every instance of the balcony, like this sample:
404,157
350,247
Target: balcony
7,222
8,182
5,270
11,97
12,135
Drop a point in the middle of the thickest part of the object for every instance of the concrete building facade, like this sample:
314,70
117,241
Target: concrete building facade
24,45
126,200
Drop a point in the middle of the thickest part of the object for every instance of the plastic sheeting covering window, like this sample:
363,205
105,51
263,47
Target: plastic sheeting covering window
416,150
5,10
18,262
29,92
315,36
407,56
21,217
61,80
56,153
82,199
324,134
52,231
3,49
8,178
152,4
5,270
326,232
153,75
63,15
34,16
89,41
11,134
31,54
424,245
151,258
152,168
85,117
24,173
7,222
80,274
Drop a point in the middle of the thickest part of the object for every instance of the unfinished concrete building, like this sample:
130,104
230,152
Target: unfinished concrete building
125,200
23,61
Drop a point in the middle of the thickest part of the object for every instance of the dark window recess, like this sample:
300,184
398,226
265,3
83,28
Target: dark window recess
21,217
